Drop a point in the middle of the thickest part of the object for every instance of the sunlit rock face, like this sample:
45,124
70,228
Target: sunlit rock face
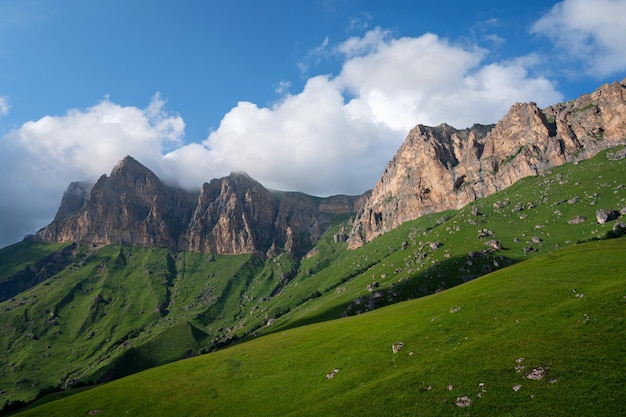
441,168
231,215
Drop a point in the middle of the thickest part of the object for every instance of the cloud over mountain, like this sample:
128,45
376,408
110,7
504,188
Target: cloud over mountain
334,136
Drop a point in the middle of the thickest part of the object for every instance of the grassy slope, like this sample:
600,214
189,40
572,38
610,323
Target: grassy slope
24,253
527,311
419,270
118,310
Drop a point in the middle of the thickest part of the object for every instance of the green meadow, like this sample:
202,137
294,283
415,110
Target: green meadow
543,337
522,280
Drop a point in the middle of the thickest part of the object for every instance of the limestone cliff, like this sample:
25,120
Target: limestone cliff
231,215
131,206
441,168
73,199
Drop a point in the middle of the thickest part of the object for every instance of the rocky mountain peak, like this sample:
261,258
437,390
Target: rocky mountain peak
73,199
441,168
435,169
127,166
230,215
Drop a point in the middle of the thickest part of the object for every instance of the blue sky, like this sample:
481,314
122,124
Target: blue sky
314,96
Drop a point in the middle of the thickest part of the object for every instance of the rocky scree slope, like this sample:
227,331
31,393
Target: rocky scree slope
231,215
441,168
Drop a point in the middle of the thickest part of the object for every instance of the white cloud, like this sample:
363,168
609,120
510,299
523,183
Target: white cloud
359,22
309,142
339,132
335,136
4,106
39,160
590,31
401,82
282,87
313,57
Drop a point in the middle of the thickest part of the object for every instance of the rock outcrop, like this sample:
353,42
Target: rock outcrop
73,199
231,215
435,169
131,207
441,168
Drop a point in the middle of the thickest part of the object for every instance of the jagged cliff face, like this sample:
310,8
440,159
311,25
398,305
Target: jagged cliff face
435,169
441,168
131,206
231,215
73,199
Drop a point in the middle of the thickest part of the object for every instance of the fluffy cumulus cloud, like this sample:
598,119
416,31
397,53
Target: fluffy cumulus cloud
309,142
337,134
593,31
39,160
429,80
334,136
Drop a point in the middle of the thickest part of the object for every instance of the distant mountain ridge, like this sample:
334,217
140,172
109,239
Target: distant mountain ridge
231,215
436,169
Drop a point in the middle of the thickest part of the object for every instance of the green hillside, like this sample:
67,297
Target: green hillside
73,315
544,337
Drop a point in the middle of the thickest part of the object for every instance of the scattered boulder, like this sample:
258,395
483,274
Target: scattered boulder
332,373
396,347
495,244
603,216
573,200
619,229
372,285
484,233
577,220
536,239
435,245
537,373
617,155
463,401
529,249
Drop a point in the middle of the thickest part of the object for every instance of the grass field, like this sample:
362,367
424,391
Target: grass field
543,337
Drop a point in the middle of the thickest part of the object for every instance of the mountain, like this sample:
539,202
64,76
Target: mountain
441,168
133,274
542,338
131,207
436,169
231,215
